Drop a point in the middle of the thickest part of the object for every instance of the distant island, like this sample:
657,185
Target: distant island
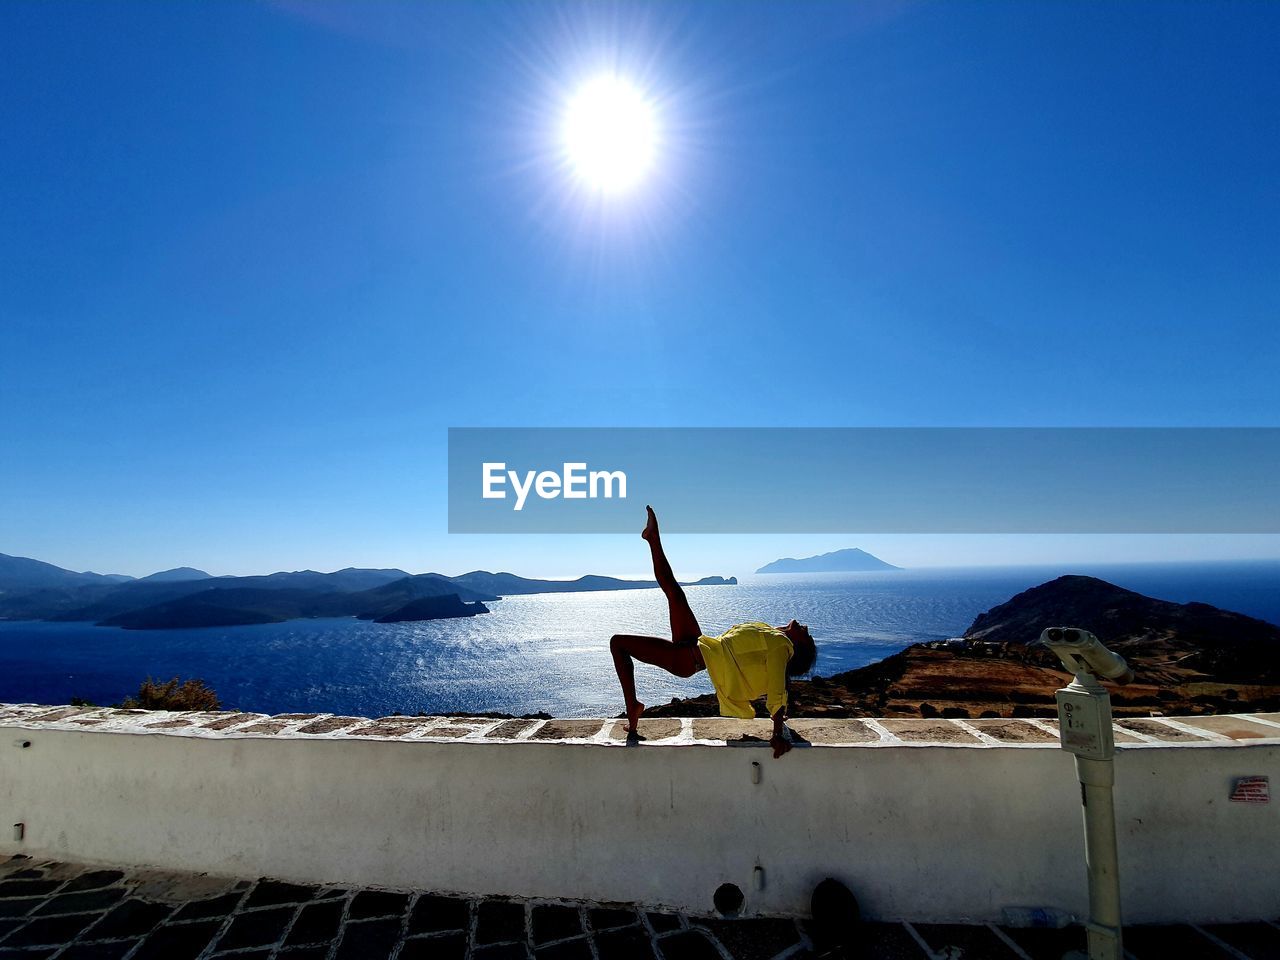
851,560
187,597
433,608
1190,658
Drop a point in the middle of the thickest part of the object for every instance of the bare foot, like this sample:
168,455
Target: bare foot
650,530
633,716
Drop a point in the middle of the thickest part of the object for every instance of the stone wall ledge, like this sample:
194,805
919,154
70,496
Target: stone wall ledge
1029,733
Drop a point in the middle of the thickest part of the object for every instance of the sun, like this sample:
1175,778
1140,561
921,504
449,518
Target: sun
610,134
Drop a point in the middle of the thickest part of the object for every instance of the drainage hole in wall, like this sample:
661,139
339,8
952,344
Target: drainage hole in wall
728,899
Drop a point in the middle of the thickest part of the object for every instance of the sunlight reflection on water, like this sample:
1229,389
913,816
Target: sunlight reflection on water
531,653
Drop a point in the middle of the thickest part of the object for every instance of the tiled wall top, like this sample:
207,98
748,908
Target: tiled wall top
895,732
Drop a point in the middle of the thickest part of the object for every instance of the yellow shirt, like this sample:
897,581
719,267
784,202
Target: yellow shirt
746,662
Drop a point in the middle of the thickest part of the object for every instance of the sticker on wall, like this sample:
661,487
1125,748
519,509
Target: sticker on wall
1251,790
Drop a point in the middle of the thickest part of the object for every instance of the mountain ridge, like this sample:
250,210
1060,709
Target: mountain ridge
187,597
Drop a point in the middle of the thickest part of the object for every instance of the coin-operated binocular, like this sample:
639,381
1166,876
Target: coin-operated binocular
1084,722
1081,652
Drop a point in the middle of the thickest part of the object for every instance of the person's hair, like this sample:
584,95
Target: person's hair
802,658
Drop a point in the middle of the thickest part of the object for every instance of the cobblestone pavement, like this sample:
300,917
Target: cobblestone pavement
73,912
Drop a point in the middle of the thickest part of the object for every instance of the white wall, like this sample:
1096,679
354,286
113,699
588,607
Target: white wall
922,833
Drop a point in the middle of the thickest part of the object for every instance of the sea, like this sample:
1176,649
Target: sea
549,653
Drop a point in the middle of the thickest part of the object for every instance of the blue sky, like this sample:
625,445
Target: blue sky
256,258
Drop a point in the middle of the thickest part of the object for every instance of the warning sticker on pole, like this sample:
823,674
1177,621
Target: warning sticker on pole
1251,790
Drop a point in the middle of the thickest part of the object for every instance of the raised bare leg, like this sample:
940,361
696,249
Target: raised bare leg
684,625
679,655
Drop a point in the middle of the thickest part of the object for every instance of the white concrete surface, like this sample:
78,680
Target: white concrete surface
929,833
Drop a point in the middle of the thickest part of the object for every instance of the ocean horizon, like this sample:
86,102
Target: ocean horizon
549,652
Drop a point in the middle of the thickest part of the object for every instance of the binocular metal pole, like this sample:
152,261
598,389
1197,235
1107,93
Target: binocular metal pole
1084,719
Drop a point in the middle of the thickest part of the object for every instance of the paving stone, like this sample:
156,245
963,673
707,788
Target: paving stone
508,729
55,715
267,728
391,727
608,918
98,951
831,730
329,724
1253,939
450,946
501,951
1161,731
888,941
93,880
453,731
317,923
555,922
1158,943
663,922
184,941
256,929
966,940
378,903
733,732
577,949
568,730
499,921
170,724
271,892
1013,731
629,943
222,906
226,722
928,731
28,888
87,902
19,907
381,730
1047,944
688,945
49,930
305,953
369,940
750,939
133,918
658,728
1235,728
432,914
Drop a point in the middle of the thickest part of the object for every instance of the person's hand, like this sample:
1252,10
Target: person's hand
780,745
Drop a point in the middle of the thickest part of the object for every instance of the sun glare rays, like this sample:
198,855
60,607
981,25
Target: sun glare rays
604,139
611,135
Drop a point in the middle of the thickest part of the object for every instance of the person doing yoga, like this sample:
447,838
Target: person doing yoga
747,661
